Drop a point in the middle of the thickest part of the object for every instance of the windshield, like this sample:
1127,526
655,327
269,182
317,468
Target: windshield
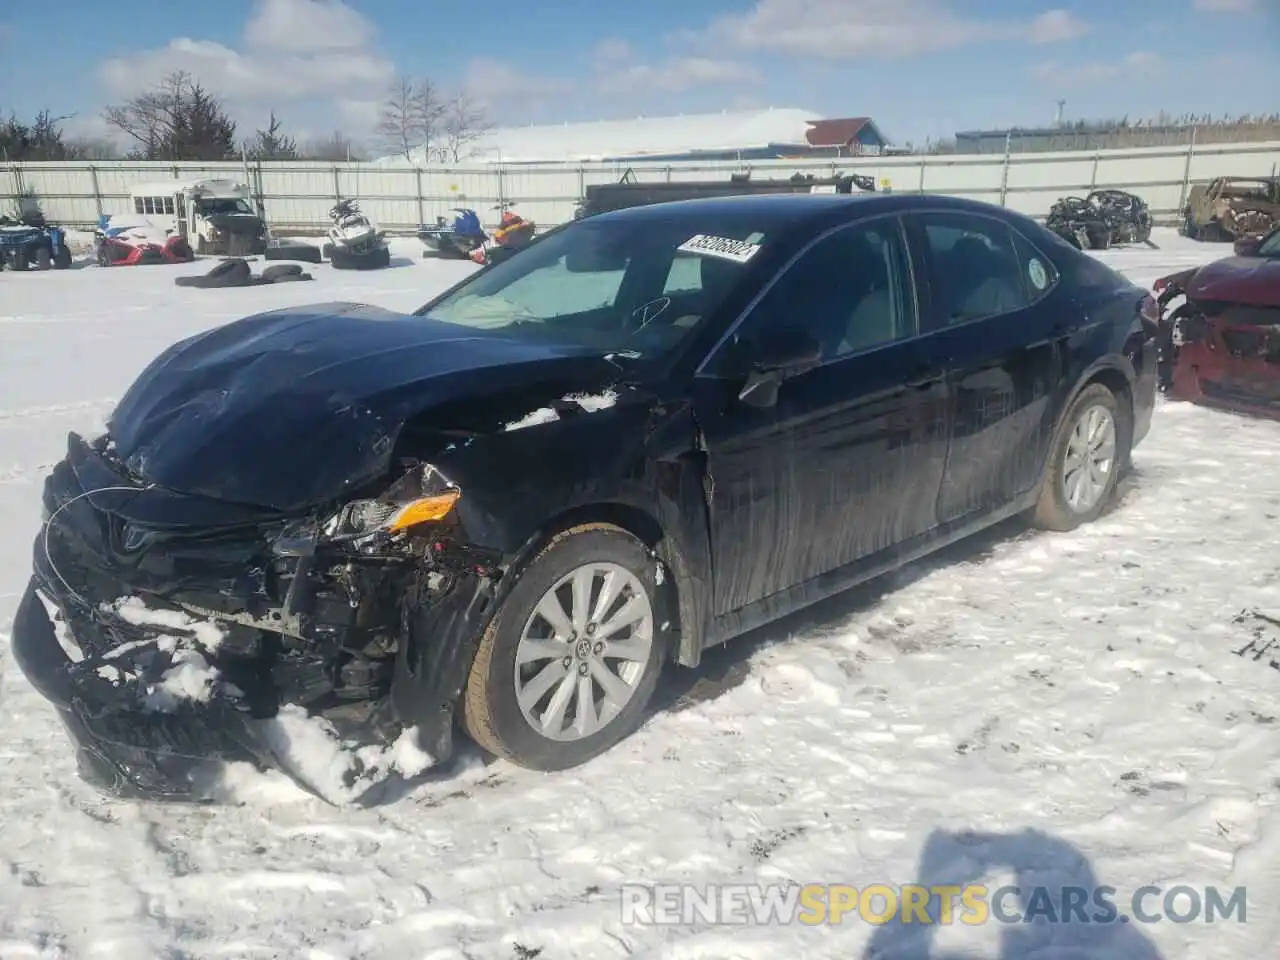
216,205
637,285
1270,247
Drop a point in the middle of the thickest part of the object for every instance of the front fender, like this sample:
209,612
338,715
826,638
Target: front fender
635,464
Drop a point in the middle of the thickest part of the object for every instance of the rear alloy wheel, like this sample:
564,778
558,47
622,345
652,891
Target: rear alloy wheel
1085,462
570,661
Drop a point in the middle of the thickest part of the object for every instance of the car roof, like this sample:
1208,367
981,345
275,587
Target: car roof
787,210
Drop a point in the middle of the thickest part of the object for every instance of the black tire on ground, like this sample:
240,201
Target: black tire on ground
1053,511
44,258
20,260
227,273
62,259
280,271
491,713
326,251
373,260
304,252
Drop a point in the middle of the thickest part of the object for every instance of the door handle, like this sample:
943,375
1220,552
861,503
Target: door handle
925,377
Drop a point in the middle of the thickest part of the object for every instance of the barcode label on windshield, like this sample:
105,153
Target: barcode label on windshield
739,251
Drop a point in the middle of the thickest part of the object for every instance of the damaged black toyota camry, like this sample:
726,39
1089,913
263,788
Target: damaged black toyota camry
648,432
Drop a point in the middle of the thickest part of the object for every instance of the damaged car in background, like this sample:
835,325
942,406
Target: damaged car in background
1220,324
1228,208
1103,219
651,431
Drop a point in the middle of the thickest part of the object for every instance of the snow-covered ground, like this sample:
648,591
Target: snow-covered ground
1054,709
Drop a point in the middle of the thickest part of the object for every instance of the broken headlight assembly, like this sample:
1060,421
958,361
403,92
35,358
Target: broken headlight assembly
422,496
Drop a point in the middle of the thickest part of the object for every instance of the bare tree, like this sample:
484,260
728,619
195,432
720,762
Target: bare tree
177,120
410,117
463,123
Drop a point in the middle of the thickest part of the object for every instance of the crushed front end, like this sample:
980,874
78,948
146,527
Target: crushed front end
193,629
1218,354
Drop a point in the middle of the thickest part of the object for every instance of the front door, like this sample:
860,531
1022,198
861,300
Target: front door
1001,334
848,461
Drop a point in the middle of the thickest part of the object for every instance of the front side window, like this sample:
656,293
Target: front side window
976,269
636,284
849,293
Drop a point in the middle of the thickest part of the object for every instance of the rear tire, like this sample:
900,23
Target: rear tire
44,258
569,577
1084,466
62,259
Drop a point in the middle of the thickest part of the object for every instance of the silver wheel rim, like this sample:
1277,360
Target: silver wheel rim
583,651
1089,459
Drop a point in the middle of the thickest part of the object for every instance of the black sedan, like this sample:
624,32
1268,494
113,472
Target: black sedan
649,431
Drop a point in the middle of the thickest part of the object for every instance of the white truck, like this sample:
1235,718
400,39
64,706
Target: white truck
215,216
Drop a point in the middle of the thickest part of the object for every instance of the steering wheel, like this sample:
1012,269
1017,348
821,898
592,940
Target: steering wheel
647,313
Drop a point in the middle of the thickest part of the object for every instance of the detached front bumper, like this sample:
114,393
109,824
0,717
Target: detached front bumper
126,752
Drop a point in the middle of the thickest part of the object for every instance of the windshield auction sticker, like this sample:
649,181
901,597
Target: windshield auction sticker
739,251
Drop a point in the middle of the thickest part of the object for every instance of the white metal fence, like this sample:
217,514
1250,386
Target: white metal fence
298,195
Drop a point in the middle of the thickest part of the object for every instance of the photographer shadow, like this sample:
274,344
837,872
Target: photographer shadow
1039,862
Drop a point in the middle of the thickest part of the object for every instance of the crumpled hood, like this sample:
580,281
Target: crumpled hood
292,408
1254,281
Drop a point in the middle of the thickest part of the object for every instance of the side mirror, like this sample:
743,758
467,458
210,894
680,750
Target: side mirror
1246,246
789,350
773,358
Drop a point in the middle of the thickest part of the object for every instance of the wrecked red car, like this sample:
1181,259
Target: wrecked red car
1221,346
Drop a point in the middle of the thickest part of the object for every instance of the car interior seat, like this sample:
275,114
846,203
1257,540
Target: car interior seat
874,319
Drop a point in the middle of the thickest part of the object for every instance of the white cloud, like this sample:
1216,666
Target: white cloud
307,26
1225,6
493,82
850,29
294,50
1140,63
677,75
616,71
1056,26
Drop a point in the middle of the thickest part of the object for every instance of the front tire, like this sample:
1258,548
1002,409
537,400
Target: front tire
570,661
1085,462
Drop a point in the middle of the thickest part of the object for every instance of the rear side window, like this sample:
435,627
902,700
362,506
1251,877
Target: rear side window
977,269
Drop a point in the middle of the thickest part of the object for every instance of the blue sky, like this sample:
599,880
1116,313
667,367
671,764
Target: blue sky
921,68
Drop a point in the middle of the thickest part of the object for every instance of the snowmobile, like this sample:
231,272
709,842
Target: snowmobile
460,235
355,242
456,235
514,233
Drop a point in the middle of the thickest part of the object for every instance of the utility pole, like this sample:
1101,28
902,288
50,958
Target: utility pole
1058,119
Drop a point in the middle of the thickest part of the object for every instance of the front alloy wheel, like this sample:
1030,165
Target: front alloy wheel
1085,462
571,659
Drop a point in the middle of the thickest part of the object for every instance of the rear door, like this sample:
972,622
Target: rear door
993,322
848,461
